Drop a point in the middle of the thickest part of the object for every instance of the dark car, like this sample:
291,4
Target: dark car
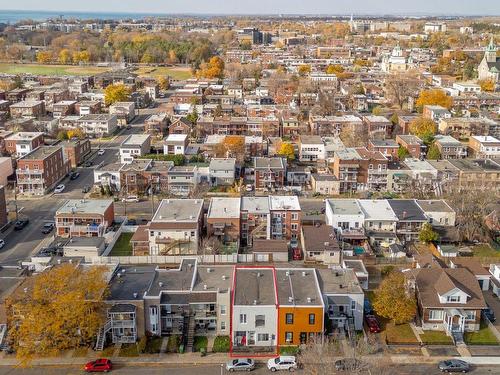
454,365
372,323
20,224
74,175
348,364
47,228
88,163
489,313
99,365
368,307
85,189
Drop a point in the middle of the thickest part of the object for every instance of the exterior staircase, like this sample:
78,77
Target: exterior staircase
458,338
3,337
101,336
190,334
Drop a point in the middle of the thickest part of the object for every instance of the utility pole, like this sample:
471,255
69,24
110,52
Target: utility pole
15,198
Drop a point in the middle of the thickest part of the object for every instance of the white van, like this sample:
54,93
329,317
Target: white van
283,362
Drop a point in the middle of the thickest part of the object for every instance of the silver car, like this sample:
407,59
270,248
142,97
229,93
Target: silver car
240,364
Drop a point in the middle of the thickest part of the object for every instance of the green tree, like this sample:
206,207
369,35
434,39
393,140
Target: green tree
193,116
428,234
403,153
433,152
392,299
116,93
394,118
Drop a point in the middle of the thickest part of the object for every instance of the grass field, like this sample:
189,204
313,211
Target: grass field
57,70
122,247
179,73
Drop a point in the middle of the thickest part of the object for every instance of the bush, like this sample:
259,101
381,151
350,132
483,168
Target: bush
174,342
289,350
386,270
141,345
221,344
199,343
153,345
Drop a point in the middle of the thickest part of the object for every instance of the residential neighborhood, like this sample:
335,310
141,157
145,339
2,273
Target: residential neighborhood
213,193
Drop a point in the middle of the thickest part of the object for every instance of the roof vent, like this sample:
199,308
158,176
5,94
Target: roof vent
209,270
118,275
341,286
287,273
122,270
160,284
191,217
224,277
205,286
304,273
259,274
309,299
135,295
254,301
59,261
290,299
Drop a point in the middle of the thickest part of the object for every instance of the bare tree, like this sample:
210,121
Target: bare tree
399,87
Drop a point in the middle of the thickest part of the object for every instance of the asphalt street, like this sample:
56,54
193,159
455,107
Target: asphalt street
416,369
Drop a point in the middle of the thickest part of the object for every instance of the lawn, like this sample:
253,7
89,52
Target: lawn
485,251
399,334
153,346
221,344
482,337
108,351
80,352
436,338
199,343
180,73
122,246
129,350
56,70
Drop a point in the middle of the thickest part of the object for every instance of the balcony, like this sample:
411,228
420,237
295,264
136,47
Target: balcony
127,323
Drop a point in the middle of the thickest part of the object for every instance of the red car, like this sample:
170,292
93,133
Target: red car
99,365
297,254
372,324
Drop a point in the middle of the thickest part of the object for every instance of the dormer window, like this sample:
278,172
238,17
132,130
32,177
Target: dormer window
453,299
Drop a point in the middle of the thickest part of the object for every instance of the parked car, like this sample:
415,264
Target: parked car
249,188
372,323
59,189
21,223
2,243
283,362
367,307
297,254
99,365
100,152
131,198
85,189
240,364
348,364
47,228
74,175
88,163
489,313
453,365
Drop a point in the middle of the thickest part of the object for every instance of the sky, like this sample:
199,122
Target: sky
441,7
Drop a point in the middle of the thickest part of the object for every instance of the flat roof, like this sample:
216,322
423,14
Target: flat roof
177,279
416,164
345,206
254,286
131,279
434,205
224,208
24,136
178,210
216,278
41,152
337,281
407,210
284,202
222,163
261,162
135,140
298,287
378,209
85,206
257,205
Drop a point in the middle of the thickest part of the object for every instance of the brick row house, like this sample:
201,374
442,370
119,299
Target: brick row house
84,218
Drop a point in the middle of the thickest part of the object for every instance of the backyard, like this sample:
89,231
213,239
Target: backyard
122,247
59,70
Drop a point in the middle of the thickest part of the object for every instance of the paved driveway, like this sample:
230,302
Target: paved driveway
494,303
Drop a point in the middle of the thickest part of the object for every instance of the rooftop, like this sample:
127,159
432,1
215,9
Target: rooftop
345,207
257,205
267,163
338,281
84,206
41,152
407,210
284,202
177,279
377,210
136,140
434,205
254,286
128,280
298,287
222,164
224,208
179,210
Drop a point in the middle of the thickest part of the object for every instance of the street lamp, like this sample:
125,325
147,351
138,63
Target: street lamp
221,368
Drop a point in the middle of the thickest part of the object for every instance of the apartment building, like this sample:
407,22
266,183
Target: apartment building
98,125
223,220
176,227
410,217
319,243
334,125
286,217
301,309
88,107
133,146
28,109
255,219
182,180
41,170
478,172
436,112
63,108
484,146
311,148
176,144
387,147
76,150
378,127
222,171
22,143
84,218
124,112
156,125
450,148
270,173
415,146
460,127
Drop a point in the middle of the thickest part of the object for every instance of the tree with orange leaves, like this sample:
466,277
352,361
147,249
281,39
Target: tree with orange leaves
213,69
434,97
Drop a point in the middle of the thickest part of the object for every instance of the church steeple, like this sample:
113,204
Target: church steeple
491,51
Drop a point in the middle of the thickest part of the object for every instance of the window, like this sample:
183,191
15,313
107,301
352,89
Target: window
223,325
243,318
260,320
470,315
312,318
353,305
289,318
294,226
295,216
436,315
223,309
289,336
452,299
263,337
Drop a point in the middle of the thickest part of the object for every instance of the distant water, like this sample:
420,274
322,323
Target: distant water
14,16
